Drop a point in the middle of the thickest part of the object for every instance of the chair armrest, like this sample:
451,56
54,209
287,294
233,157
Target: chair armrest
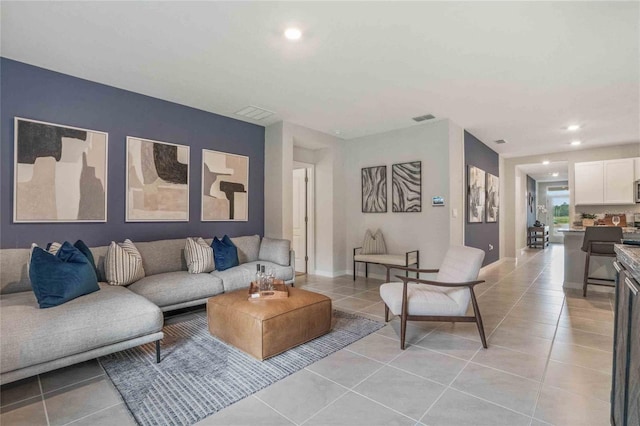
412,251
354,250
405,268
438,283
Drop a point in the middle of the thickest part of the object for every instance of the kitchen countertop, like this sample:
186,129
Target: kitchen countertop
625,230
630,257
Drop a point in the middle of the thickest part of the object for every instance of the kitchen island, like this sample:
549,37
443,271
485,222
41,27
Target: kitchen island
574,257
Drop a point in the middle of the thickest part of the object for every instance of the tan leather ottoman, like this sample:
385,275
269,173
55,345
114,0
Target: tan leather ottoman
264,328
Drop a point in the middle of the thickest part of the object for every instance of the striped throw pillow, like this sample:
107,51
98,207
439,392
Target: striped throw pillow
373,243
123,263
199,256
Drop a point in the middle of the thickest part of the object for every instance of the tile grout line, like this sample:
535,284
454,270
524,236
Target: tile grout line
44,404
263,402
91,414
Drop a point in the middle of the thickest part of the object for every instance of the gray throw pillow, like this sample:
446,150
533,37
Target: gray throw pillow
275,250
373,243
248,248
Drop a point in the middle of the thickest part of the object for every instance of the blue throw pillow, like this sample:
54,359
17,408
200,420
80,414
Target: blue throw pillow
84,249
58,278
225,253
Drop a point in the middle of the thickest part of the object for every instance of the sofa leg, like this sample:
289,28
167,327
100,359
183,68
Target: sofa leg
157,351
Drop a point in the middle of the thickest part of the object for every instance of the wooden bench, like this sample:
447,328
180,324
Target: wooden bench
409,258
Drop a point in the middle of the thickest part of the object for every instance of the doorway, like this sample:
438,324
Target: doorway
558,208
303,217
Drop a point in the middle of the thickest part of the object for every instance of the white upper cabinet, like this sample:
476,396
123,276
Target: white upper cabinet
636,162
604,182
618,181
589,183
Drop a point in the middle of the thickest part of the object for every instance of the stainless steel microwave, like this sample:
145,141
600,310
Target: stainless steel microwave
636,190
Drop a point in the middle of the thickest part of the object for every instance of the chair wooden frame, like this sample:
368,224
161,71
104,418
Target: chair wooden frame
404,317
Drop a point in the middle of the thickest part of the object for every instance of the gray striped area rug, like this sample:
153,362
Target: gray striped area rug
200,375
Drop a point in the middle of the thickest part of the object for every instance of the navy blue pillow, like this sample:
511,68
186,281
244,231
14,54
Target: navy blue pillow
63,277
225,253
84,249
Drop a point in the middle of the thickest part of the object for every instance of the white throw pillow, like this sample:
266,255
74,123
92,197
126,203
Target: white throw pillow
123,263
199,256
373,243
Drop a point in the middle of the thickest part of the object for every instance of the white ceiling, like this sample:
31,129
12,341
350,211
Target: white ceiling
520,71
544,172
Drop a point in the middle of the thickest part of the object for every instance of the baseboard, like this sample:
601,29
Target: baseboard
493,265
330,274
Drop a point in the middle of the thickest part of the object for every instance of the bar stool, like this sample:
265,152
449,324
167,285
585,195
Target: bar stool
599,241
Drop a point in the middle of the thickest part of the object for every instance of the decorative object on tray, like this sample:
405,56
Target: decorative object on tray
157,181
610,219
493,198
475,194
374,189
278,290
406,183
60,173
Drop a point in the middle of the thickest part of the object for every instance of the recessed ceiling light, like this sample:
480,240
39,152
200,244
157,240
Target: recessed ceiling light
573,127
545,162
576,143
337,132
293,33
556,174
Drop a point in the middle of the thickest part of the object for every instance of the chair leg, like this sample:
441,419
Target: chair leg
354,270
476,310
587,259
157,351
366,270
386,313
403,328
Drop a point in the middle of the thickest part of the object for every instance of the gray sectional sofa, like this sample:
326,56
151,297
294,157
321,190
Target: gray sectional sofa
35,341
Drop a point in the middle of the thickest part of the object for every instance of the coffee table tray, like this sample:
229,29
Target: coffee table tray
280,291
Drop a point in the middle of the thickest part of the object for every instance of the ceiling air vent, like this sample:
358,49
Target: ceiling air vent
254,113
500,141
423,118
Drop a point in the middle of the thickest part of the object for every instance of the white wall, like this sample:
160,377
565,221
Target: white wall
514,236
431,230
284,144
456,199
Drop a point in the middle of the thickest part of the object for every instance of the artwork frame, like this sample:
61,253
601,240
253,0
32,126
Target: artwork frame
38,152
475,194
492,199
406,187
156,162
236,166
374,189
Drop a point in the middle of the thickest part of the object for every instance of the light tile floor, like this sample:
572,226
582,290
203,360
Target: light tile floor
548,362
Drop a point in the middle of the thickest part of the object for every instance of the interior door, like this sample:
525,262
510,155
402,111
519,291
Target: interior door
299,215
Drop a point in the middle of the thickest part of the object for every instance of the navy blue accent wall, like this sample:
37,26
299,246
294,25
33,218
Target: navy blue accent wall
480,235
39,94
532,207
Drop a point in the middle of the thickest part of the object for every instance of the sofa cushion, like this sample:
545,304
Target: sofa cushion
162,256
14,273
61,277
235,278
284,273
199,256
248,248
123,264
172,288
32,336
225,253
275,250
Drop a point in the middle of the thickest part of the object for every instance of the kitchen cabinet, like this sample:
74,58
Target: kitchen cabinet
636,163
625,387
604,182
589,183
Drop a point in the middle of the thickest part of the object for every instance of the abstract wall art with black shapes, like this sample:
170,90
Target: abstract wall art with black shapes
406,184
374,189
475,194
225,186
493,198
60,173
157,181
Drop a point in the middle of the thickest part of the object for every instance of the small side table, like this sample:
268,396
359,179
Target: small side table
538,237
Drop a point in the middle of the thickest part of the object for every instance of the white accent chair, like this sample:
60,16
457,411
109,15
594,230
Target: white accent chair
445,299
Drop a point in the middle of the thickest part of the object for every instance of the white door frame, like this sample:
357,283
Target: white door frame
311,213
